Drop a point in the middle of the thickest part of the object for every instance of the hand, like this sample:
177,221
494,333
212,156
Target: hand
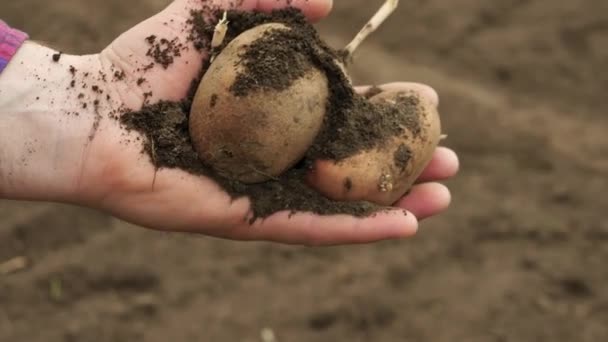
114,176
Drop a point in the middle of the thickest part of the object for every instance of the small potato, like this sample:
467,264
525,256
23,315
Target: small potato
256,137
384,174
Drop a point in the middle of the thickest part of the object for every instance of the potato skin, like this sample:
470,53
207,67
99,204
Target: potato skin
256,137
375,175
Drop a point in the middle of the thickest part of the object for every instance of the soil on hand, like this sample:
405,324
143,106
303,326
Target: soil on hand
273,63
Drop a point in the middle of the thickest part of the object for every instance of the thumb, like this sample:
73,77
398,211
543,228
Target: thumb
170,63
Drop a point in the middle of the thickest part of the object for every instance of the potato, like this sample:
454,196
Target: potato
384,174
256,137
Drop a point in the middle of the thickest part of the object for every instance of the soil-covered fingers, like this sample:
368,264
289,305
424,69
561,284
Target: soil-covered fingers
426,200
313,230
313,9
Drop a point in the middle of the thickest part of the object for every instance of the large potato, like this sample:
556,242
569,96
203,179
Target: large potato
384,174
255,137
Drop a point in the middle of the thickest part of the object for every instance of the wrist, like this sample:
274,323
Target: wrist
47,111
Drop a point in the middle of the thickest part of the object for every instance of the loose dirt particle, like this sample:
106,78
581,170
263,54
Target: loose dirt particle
119,75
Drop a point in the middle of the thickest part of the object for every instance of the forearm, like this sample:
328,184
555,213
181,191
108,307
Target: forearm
44,124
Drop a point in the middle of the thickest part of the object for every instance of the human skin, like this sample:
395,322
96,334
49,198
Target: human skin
54,149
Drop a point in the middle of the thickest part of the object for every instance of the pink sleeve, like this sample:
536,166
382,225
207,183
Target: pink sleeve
10,41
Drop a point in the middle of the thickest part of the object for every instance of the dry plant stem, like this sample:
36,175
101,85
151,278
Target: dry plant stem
219,33
372,25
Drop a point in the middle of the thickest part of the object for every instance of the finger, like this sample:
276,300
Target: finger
313,230
426,200
422,89
313,9
444,165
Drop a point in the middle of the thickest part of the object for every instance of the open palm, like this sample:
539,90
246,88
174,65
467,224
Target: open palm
120,178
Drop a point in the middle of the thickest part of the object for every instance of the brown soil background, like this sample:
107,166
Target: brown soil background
521,255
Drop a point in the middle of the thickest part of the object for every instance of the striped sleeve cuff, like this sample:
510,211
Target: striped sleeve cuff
10,41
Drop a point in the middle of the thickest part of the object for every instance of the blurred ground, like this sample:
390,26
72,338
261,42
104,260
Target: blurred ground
521,256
